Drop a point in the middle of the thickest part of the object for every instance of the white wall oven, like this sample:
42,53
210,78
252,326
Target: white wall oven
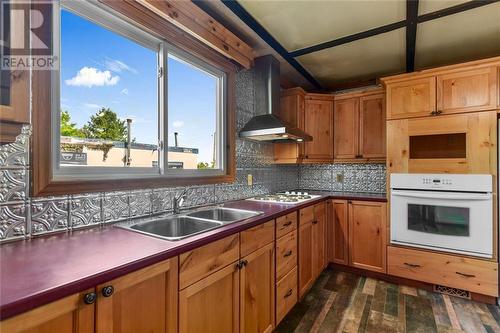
452,213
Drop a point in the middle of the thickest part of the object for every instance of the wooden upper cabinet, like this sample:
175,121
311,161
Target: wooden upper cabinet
359,125
372,132
468,90
257,283
367,235
319,124
211,305
411,98
292,104
67,315
142,301
346,127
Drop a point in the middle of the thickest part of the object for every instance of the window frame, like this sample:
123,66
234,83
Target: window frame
47,182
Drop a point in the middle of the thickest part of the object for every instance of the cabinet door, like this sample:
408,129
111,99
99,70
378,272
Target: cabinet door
319,124
465,91
142,301
346,127
319,239
306,277
367,235
372,126
212,304
257,284
411,98
67,315
340,236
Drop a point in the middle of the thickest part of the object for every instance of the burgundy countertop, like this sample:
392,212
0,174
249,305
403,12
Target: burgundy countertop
41,270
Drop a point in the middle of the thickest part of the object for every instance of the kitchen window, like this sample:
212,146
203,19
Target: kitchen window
127,104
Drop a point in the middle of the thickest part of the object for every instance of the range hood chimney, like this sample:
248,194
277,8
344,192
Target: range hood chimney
267,126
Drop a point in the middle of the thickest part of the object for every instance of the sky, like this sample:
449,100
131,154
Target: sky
100,68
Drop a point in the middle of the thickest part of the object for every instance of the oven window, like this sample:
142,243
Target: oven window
441,220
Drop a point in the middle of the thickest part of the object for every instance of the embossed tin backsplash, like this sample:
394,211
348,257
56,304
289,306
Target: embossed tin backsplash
22,216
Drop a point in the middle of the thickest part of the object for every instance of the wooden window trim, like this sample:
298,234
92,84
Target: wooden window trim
43,179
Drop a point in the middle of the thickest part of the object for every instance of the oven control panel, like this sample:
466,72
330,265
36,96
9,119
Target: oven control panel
436,181
444,182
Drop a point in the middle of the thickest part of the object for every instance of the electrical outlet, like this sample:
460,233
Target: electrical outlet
340,178
249,179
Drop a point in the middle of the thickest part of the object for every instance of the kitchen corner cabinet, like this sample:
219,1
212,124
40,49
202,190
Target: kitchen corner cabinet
142,301
359,126
357,234
313,113
312,245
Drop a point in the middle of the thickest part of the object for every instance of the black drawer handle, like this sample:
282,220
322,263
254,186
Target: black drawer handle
359,156
466,275
288,293
90,298
287,224
412,265
289,253
315,222
107,291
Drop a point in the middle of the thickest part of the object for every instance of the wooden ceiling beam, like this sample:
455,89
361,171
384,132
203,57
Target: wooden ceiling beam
454,10
411,33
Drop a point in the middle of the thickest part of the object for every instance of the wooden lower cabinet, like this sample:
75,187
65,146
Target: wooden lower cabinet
212,304
339,235
306,277
312,245
142,301
367,235
257,311
67,315
357,234
480,276
286,294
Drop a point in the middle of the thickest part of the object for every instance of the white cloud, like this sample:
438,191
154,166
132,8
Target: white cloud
118,66
124,91
90,76
178,123
91,105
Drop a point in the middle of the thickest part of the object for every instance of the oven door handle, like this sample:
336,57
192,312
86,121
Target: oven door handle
442,195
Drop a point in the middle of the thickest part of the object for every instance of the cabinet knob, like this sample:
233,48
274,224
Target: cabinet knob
244,262
359,156
289,253
315,222
90,298
289,293
287,224
412,265
465,275
107,291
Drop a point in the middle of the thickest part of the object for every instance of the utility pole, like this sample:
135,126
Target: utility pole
127,150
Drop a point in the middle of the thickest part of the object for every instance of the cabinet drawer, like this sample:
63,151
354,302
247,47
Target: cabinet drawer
285,224
201,262
256,237
286,294
306,215
286,254
474,275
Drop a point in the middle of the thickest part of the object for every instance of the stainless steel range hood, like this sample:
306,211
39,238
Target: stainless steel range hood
267,126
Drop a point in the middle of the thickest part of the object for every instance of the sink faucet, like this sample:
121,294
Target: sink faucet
179,201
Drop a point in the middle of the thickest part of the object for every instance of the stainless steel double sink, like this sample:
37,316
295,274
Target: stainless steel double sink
177,227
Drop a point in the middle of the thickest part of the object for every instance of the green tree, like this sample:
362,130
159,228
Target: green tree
67,127
105,124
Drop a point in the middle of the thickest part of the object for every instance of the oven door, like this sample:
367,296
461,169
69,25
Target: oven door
449,221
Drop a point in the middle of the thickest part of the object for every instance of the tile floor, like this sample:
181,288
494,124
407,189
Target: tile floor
343,302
